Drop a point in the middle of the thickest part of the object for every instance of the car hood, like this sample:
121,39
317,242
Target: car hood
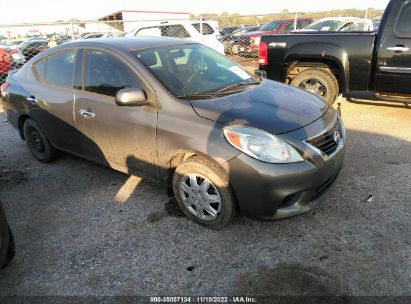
270,106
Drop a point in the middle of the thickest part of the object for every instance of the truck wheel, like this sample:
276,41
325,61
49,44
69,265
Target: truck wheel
203,193
319,82
39,145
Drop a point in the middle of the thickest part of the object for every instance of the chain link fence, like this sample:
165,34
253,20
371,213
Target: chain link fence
233,35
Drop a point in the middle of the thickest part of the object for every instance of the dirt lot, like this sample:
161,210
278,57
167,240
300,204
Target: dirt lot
82,229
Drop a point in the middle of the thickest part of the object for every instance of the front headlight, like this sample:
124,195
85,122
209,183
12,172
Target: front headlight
261,145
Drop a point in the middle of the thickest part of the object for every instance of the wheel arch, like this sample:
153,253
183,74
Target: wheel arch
21,121
182,157
326,56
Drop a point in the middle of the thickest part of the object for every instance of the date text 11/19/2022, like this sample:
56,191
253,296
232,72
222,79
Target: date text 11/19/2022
203,299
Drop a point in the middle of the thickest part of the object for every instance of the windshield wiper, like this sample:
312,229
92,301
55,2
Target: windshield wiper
222,91
236,84
196,95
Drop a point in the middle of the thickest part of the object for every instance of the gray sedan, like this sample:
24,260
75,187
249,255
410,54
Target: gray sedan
181,114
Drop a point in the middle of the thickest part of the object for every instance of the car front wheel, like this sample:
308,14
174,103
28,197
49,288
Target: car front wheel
203,193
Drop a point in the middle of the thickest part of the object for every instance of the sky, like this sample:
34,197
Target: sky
22,11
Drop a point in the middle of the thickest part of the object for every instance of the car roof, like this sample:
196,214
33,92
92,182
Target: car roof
171,22
338,19
126,43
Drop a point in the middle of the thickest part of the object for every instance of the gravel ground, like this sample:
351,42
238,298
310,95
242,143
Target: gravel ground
82,229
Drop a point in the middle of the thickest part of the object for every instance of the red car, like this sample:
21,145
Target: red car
5,63
249,41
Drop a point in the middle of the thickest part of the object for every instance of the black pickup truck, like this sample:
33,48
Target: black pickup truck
328,64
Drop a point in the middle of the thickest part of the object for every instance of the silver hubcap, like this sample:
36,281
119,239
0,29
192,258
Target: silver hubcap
200,196
314,86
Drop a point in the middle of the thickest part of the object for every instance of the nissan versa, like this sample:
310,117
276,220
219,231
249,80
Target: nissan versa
178,112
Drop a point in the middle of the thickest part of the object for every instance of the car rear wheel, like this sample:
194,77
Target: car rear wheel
319,82
203,193
37,142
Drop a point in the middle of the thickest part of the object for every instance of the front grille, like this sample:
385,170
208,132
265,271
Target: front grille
329,141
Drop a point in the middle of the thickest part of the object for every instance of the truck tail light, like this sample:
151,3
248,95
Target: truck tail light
262,53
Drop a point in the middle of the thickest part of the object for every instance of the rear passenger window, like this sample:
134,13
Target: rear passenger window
104,74
207,29
403,27
60,68
175,30
40,69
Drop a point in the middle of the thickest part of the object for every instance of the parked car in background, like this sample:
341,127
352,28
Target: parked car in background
12,48
339,24
5,64
231,44
248,42
376,24
186,29
328,64
227,31
30,48
96,35
10,45
7,247
179,112
60,39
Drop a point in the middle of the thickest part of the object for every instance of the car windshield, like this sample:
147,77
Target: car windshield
272,26
326,25
193,69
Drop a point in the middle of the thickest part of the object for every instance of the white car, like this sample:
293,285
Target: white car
339,24
182,29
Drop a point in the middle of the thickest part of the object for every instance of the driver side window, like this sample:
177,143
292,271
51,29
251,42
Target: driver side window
105,74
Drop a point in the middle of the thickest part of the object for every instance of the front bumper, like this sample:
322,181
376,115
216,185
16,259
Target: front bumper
276,191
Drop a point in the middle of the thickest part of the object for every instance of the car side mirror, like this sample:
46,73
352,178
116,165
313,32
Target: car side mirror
129,97
260,73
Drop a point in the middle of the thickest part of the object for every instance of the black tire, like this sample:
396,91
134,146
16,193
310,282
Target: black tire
318,81
203,167
39,145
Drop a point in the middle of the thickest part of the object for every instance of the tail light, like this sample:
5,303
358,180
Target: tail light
262,53
4,86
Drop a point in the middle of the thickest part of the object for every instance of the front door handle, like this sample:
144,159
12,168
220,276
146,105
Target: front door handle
398,49
87,113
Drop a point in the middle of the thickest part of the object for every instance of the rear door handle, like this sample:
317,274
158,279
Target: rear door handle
87,113
31,99
398,49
